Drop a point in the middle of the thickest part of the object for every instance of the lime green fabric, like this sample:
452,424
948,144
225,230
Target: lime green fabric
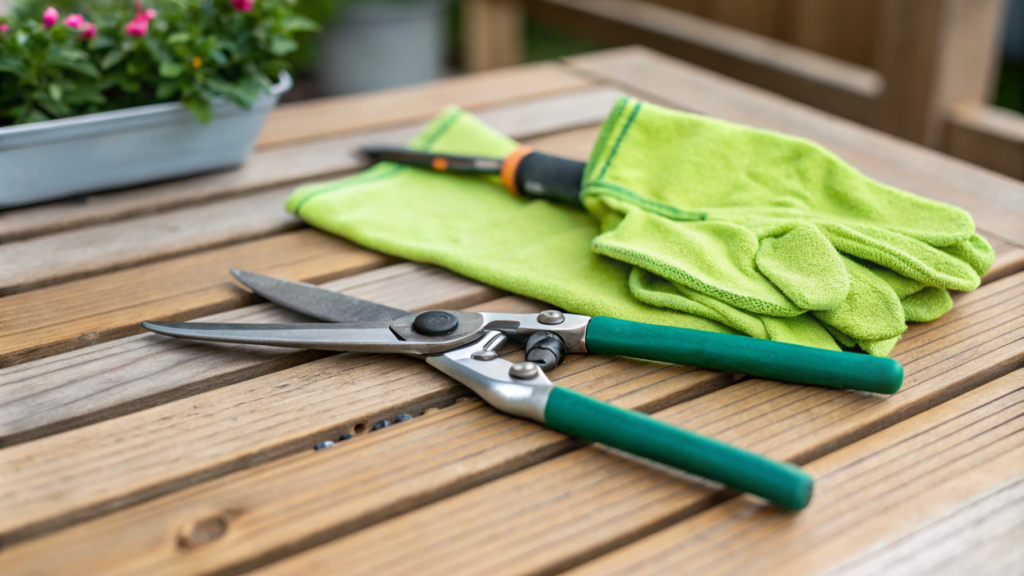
769,234
693,222
474,227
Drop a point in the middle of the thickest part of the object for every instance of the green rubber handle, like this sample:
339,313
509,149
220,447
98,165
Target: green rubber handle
764,358
584,417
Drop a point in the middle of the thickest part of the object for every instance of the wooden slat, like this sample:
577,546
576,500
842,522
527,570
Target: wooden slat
89,251
67,317
934,54
130,374
867,495
331,116
493,33
59,479
559,512
839,28
390,473
86,312
993,200
982,535
298,162
576,507
988,136
822,81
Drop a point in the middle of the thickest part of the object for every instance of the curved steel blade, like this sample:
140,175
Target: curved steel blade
316,302
353,337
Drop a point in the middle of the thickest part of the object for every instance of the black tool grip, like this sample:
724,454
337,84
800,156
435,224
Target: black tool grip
557,179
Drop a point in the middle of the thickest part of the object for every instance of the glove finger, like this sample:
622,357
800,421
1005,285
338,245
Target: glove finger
871,311
803,329
716,259
904,255
805,267
975,251
926,305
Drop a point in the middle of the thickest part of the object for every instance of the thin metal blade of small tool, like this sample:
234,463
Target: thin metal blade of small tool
316,302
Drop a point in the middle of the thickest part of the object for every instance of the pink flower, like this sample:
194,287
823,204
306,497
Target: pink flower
74,21
137,27
50,17
243,5
146,15
88,31
5,27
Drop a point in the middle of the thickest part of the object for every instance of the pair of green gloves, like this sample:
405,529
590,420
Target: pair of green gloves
690,222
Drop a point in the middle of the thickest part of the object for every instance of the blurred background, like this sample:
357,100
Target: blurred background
948,74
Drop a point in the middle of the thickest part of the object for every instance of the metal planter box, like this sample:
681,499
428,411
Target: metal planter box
60,158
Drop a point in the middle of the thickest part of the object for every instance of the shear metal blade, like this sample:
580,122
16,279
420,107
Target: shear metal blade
368,337
316,302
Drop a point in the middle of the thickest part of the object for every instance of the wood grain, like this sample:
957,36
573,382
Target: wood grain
868,496
992,199
493,33
982,534
331,116
130,374
576,507
92,310
299,162
341,490
840,87
183,442
78,253
87,311
561,511
988,136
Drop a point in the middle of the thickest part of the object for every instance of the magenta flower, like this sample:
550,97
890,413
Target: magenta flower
243,5
5,27
74,21
146,15
137,27
50,17
88,31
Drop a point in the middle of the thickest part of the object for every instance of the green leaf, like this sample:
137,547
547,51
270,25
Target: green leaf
171,69
55,91
34,116
200,109
280,46
165,90
297,23
101,42
178,38
111,59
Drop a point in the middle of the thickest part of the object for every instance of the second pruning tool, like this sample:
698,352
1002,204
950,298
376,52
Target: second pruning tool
464,345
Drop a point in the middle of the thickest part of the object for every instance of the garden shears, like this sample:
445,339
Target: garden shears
464,345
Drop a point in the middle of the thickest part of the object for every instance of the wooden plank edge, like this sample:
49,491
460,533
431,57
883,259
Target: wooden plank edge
294,164
75,389
483,529
324,117
988,136
738,537
261,536
993,199
822,81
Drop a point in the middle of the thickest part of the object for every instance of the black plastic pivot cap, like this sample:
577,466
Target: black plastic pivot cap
435,323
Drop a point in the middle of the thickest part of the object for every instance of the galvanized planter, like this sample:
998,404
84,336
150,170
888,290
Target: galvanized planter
60,158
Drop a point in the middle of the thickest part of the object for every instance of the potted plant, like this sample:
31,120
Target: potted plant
377,44
124,93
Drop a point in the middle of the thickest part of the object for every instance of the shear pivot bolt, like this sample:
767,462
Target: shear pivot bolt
484,355
550,317
524,370
435,323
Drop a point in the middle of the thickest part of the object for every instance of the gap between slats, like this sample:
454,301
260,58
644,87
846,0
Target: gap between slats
308,497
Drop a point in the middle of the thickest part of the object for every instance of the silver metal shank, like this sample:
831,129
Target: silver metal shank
490,379
573,331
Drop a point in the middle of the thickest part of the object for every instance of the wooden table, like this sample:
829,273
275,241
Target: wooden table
125,452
